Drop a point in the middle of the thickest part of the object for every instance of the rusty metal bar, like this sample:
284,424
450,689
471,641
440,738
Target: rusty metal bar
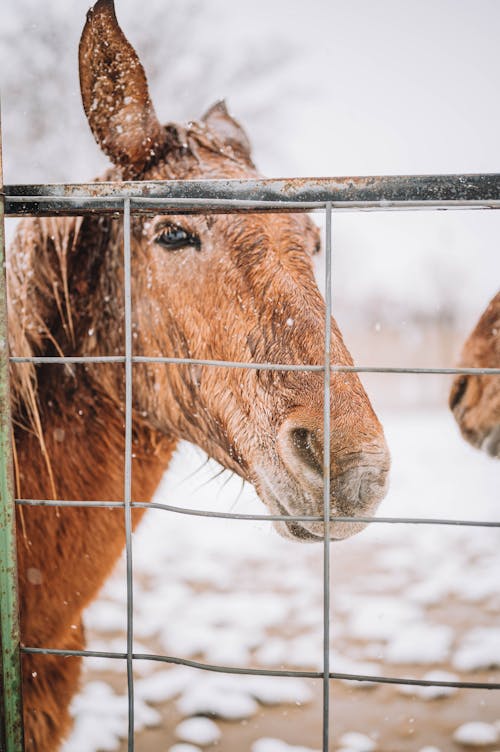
283,194
11,727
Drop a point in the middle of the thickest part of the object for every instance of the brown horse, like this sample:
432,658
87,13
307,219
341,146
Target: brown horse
233,287
475,400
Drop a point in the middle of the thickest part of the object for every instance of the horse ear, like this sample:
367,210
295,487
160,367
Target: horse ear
115,94
228,130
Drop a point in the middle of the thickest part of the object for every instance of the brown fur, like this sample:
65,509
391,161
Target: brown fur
475,399
244,291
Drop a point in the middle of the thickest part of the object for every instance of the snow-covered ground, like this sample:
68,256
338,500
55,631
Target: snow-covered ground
408,600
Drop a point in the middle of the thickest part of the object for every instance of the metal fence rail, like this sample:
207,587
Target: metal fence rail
221,196
289,194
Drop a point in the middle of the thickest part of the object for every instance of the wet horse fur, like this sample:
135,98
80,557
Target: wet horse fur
227,287
475,399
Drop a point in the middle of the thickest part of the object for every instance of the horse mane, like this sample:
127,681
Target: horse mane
38,294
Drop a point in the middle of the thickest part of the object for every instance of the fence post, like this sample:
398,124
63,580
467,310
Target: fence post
10,676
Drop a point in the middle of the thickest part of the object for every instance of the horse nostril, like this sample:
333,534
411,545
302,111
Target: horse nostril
307,449
457,391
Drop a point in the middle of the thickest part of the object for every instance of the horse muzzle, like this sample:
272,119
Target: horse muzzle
358,482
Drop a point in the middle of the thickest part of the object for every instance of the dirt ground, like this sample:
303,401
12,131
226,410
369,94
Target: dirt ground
396,722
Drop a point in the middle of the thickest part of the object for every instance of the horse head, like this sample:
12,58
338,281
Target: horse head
234,287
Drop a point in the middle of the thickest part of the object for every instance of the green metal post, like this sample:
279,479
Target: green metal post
10,677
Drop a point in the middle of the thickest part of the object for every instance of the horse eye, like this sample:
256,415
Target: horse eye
317,247
174,238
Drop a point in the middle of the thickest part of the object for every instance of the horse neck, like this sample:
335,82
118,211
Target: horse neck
80,453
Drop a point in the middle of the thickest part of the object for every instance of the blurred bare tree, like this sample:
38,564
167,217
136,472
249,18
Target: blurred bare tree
189,59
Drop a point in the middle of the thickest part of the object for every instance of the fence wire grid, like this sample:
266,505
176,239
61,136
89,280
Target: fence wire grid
320,195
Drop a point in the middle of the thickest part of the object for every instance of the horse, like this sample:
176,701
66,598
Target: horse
228,287
475,399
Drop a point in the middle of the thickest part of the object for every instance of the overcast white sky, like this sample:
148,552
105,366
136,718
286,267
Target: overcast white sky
363,87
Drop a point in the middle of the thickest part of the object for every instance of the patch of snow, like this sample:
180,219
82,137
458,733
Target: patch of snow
217,701
344,665
380,618
395,558
106,616
186,640
269,744
162,685
434,588
219,644
480,583
158,606
421,644
302,652
184,748
357,742
476,734
479,649
281,690
231,651
274,652
201,731
233,697
222,628
101,719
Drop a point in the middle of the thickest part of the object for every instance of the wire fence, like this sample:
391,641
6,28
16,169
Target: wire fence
324,195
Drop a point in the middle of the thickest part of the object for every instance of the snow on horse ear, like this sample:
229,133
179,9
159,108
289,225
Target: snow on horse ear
115,94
